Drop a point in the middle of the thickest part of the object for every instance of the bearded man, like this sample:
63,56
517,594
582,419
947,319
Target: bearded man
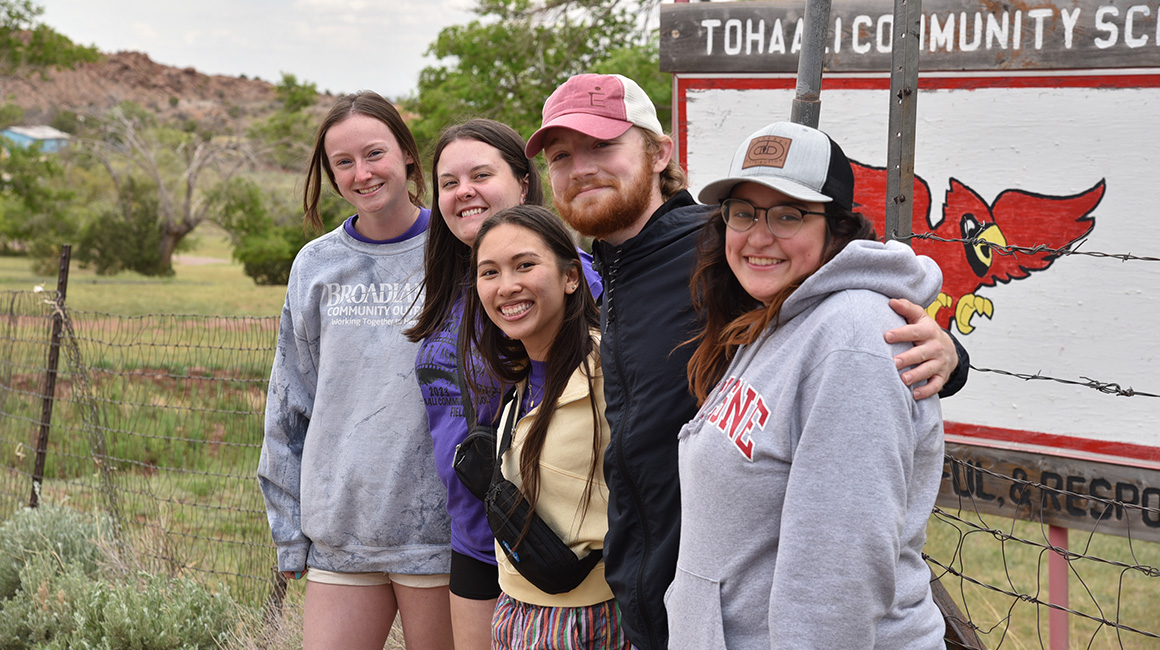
614,178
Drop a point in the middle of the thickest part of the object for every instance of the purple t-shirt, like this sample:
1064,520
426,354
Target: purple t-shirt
435,368
419,226
535,390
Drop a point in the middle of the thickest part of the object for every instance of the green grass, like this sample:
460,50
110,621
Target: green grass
197,287
986,551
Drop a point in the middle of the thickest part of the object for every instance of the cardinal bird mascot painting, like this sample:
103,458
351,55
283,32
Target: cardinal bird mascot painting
1016,218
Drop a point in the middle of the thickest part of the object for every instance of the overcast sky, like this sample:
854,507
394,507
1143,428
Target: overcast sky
340,45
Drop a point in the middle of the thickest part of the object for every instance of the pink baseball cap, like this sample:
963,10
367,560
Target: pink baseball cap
602,106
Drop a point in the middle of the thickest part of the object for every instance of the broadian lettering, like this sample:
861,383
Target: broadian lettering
334,294
370,305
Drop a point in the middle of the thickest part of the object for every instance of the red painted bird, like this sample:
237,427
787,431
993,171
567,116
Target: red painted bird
1016,218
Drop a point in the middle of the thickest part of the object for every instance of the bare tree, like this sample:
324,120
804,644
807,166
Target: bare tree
181,164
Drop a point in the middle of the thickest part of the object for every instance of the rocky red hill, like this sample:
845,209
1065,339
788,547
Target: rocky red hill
132,76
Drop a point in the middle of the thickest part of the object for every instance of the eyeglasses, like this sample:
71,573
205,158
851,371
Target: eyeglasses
784,221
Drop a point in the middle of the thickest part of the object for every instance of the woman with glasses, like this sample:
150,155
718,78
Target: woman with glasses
809,473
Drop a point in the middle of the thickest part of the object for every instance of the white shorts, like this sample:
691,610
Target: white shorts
375,578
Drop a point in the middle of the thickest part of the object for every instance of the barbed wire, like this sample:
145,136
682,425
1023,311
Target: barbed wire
1108,388
1010,249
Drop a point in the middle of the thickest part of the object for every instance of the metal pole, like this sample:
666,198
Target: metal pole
899,203
903,113
49,395
1057,588
807,104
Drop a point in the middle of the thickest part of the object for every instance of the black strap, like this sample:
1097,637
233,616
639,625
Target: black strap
511,405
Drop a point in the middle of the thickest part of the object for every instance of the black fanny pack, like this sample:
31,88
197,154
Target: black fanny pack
475,460
541,556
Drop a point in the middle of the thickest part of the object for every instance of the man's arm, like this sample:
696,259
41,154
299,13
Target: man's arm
936,357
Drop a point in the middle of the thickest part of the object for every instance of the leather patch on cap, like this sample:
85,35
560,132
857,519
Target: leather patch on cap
596,97
767,151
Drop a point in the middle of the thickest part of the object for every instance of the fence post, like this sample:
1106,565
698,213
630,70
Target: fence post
903,116
1057,588
807,103
49,395
959,632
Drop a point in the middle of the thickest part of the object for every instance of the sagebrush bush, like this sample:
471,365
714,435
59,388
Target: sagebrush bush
154,613
67,593
43,612
67,609
71,537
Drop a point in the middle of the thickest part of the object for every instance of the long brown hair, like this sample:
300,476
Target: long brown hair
373,105
507,360
446,260
731,316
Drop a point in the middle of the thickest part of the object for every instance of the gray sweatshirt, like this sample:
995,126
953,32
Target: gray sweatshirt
808,476
347,467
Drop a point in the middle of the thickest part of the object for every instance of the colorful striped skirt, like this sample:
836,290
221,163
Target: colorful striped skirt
520,626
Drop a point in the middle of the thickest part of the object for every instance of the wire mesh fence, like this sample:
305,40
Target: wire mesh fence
156,420
994,557
1020,537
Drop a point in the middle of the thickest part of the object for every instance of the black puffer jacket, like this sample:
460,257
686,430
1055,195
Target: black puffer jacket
646,314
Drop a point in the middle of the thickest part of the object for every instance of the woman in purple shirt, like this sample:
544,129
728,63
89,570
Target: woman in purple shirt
480,169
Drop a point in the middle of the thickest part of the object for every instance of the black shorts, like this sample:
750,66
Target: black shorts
473,579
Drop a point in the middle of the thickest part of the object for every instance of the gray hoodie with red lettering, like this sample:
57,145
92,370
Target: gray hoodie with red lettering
808,476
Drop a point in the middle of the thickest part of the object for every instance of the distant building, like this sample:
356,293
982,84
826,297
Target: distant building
50,139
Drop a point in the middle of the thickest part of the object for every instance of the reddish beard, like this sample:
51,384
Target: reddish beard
612,212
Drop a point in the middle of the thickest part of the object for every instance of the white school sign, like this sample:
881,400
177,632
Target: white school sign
1036,126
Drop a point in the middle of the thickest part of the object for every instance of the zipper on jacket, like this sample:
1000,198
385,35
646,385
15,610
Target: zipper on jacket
625,475
613,270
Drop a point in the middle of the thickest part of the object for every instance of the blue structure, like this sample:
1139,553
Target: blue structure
51,140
